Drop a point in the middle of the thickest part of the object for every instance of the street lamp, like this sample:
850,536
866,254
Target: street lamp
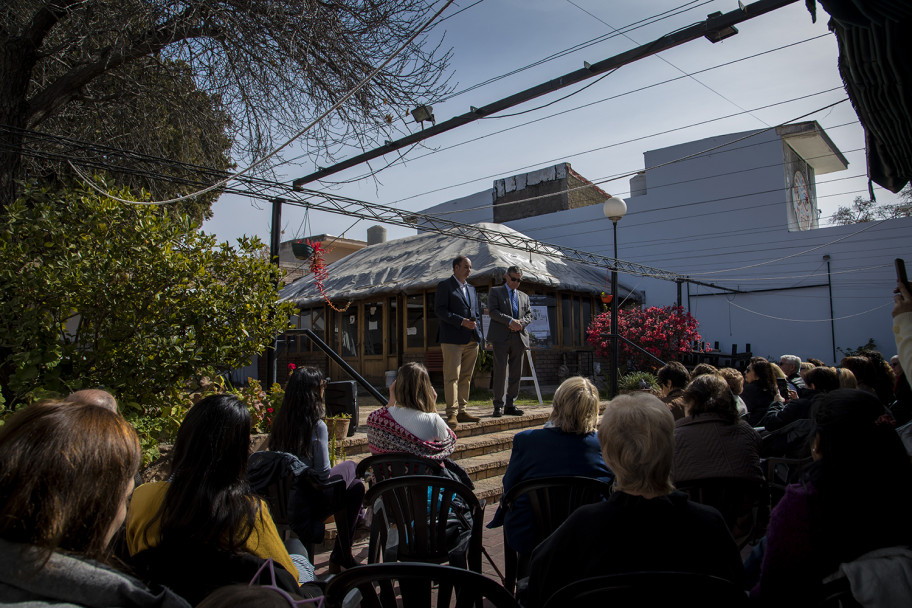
614,209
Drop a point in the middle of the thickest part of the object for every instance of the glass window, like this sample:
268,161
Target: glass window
414,321
373,328
318,321
433,323
543,330
306,344
577,329
587,317
349,333
567,320
393,325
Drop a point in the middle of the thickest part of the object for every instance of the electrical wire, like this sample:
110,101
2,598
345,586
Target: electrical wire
858,314
567,111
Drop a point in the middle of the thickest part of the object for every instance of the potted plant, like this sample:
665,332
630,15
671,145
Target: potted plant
337,426
484,366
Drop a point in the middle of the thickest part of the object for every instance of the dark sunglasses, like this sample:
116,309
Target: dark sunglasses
514,279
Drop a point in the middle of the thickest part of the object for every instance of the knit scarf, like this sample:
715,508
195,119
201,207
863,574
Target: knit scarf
386,436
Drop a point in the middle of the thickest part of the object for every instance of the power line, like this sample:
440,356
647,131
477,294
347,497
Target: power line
583,106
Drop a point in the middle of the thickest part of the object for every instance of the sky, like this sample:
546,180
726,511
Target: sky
780,67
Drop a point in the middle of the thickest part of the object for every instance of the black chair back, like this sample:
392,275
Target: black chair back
551,500
386,466
417,585
637,589
381,467
781,472
421,507
744,503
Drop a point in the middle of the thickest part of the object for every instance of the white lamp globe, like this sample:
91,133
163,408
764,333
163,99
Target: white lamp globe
614,208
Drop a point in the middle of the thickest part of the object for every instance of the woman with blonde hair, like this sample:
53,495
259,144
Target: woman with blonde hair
567,445
66,472
645,525
410,423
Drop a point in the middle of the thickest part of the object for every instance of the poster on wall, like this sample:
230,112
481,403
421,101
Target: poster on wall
539,329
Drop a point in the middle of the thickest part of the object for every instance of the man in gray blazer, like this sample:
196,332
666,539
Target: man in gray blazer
510,314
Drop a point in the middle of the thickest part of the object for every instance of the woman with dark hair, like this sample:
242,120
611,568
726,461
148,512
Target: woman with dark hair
853,499
760,389
299,430
862,369
712,440
205,511
66,472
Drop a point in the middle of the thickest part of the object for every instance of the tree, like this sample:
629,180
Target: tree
868,211
663,331
272,65
99,293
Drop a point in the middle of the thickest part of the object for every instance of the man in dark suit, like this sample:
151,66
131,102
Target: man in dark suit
510,314
457,307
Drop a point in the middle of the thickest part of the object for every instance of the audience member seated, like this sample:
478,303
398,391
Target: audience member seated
702,369
760,390
855,498
566,445
816,362
791,367
818,381
645,524
66,472
782,384
299,429
673,379
846,378
902,405
712,440
94,396
736,383
409,423
863,370
183,532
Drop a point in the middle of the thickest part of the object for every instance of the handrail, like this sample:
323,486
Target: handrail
342,363
636,346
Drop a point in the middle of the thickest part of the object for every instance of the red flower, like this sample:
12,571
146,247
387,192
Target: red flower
292,366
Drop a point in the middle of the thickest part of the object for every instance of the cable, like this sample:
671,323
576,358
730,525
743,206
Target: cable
760,314
630,27
703,84
313,123
612,97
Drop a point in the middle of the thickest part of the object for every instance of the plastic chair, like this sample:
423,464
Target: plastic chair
381,467
551,501
744,503
650,589
419,507
781,472
377,585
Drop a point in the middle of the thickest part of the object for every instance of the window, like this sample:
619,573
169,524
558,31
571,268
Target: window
414,321
567,320
318,325
433,323
349,334
393,325
373,329
587,317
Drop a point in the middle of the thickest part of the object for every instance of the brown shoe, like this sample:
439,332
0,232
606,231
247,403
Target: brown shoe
467,417
452,421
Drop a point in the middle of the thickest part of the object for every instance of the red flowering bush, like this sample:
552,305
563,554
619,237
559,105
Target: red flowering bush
663,331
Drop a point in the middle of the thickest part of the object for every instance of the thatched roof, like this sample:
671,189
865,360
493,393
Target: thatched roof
420,262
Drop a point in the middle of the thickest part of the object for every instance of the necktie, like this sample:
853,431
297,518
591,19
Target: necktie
513,302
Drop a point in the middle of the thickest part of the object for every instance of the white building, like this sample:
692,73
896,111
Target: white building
738,211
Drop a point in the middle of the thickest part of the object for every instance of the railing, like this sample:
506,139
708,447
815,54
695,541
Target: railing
342,363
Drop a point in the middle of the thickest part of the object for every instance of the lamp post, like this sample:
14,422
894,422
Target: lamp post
614,209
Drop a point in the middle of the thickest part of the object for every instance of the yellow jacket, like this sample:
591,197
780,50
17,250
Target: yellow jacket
263,542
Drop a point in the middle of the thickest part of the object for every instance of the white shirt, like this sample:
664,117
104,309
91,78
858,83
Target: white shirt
426,426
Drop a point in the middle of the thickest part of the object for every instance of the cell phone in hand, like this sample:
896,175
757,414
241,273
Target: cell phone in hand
901,276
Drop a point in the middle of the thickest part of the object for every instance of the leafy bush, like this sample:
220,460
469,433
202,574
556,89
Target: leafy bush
637,381
662,331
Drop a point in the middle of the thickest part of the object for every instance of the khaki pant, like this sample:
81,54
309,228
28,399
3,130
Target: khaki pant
458,365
